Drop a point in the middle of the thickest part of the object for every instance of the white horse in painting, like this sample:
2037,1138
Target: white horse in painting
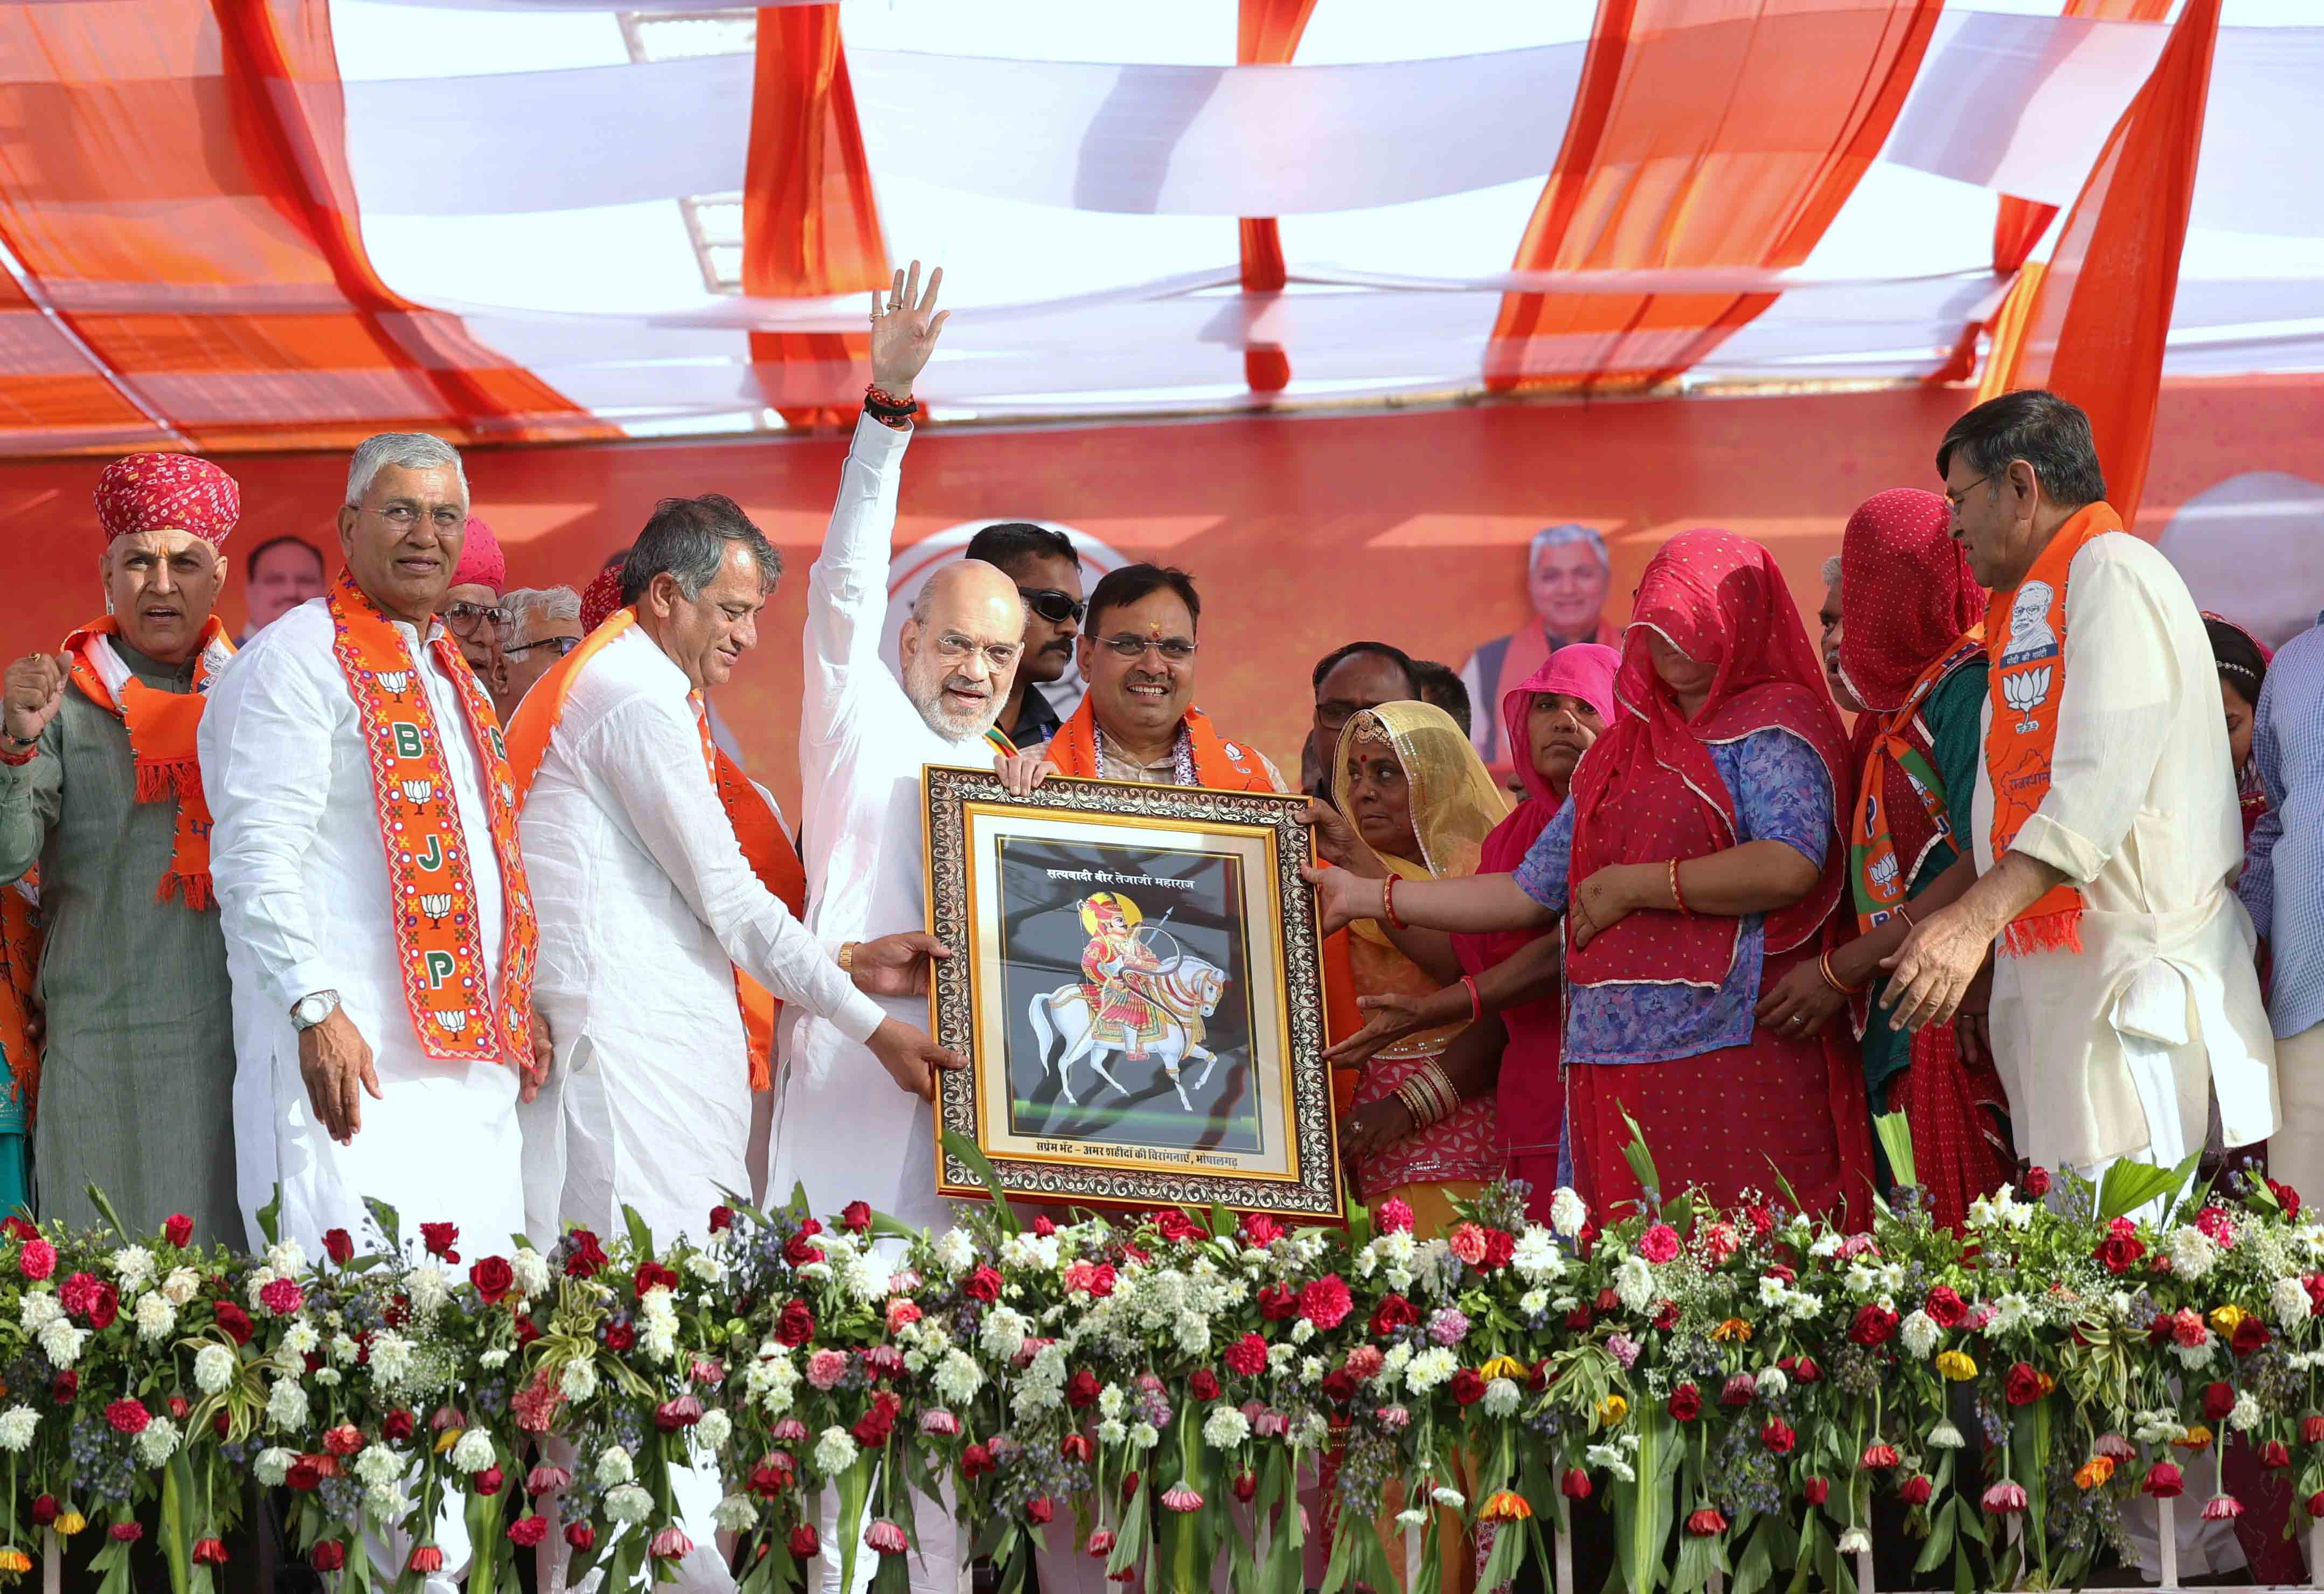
1183,997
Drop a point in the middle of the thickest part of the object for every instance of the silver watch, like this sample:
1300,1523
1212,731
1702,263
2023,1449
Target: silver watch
312,1009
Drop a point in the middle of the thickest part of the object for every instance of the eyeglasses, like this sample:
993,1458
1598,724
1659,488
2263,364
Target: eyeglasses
404,517
560,646
1172,650
465,618
1955,498
1055,606
958,650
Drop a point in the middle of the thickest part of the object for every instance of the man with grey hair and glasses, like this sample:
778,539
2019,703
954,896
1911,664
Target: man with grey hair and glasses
379,931
544,624
1567,573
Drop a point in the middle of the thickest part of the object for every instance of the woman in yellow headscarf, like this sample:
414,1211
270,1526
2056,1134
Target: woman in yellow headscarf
1419,803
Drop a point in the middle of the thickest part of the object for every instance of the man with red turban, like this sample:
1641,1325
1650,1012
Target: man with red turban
101,789
471,608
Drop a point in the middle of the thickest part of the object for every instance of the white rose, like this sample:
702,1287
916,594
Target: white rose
181,1286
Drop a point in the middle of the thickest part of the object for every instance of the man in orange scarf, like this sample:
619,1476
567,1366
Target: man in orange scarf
2107,830
100,788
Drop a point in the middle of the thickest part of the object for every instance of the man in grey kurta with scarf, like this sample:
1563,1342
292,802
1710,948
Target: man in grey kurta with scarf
100,787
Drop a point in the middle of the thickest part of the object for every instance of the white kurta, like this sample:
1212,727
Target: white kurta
302,889
842,1128
2141,816
646,906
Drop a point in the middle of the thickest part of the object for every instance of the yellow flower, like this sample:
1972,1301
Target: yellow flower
2197,1438
2094,1472
1505,1367
447,1439
12,1558
1955,1364
1734,1328
1612,1410
70,1523
2228,1318
1504,1506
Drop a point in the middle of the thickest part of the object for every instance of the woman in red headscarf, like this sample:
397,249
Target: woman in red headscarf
1698,859
1911,652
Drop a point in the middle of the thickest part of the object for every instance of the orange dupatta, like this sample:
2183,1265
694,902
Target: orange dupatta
765,848
2025,637
161,727
431,883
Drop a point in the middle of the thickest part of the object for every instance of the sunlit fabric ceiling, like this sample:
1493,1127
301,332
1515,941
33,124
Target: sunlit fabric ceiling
280,222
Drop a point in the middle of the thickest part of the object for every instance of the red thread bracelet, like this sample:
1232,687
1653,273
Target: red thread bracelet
1475,999
1388,904
1678,897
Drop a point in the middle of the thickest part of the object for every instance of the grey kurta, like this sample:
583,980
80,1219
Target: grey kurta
138,1072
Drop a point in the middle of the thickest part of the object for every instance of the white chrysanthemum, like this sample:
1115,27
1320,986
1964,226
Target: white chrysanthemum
286,1405
62,1344
2010,1312
2193,1253
1302,1331
1109,1401
1225,1428
1144,1436
215,1366
17,1426
578,1381
1567,1211
329,1378
1537,1256
835,1451
387,1502
715,1429
1111,1431
288,1258
1613,1460
1770,1382
474,1452
958,1378
614,1466
2288,1302
158,1442
392,1357
1027,1249
2195,1355
156,1319
343,1348
38,1310
1412,1517
707,1267
1002,1333
1310,1370
1194,1333
302,1337
1920,1333
1945,1436
1452,1500
377,1464
954,1251
492,1360
1826,1244
1430,1368
181,1286
1533,1302
1855,1540
1772,1290
1367,1261
134,1266
1634,1282
1280,1355
2246,1415
1501,1397
735,1513
530,1270
629,1504
429,1288
274,1465
255,1286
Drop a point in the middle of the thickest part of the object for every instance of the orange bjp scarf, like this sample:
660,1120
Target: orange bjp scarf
431,881
1218,763
2025,638
765,848
161,727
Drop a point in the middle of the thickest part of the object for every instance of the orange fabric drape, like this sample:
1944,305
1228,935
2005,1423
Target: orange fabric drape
174,185
810,227
1267,32
2094,323
1695,141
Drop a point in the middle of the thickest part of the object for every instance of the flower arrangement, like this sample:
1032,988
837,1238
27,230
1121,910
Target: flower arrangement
1736,1385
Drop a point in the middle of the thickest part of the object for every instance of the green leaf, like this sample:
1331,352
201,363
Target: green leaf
640,1233
1641,1159
2130,1185
1756,1565
270,1218
960,1146
1643,1511
390,1225
177,1542
1896,1140
855,1485
1940,1536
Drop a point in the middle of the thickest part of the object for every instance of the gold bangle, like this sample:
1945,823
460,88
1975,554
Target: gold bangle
1442,1083
847,956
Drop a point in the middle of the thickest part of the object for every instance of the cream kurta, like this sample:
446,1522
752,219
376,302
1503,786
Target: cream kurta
646,906
2141,816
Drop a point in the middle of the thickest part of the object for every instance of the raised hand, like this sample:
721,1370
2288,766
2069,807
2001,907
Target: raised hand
905,325
32,691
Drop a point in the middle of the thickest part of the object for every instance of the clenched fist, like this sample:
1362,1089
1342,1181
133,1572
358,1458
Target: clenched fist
32,690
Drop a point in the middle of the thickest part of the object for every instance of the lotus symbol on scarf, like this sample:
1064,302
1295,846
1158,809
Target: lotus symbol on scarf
394,680
452,1020
2025,690
416,792
436,905
1882,870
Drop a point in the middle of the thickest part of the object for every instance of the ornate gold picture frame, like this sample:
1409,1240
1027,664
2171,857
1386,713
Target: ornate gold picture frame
1137,984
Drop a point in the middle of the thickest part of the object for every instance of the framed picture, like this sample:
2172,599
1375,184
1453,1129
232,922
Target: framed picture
1137,982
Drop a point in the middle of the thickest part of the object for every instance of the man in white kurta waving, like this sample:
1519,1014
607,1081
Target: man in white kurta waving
378,929
850,1125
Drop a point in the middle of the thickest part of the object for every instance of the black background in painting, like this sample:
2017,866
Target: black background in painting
1042,941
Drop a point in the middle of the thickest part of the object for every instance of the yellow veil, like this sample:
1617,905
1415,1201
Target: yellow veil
1455,804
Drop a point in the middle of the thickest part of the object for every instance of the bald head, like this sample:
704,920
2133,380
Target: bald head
961,646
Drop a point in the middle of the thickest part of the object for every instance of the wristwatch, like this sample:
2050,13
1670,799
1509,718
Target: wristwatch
847,956
312,1009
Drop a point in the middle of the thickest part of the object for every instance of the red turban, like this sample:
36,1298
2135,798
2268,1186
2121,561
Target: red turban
167,492
481,561
601,598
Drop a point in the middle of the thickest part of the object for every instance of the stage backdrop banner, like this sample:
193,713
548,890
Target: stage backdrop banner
1303,532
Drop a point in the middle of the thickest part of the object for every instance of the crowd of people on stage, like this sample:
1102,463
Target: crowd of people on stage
455,896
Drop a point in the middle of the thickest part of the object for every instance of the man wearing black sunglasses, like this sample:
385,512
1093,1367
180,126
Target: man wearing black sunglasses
1047,572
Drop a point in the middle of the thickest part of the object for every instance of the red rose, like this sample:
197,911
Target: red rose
2288,1196
1916,1489
1500,1246
1246,1486
2311,1428
2218,1400
1174,1225
1685,1403
1081,1389
397,1426
45,1510
1468,1386
722,1219
328,1555
984,1285
775,1472
2165,1481
104,1307
1043,1228
303,1475
796,1326
1038,1510
1339,1386
1077,1447
65,1386
2274,1455
338,1245
439,1239
1574,1485
872,1428
2314,1285
1247,1356
1278,1302
583,1258
580,1535
1666,1315
1325,1302
800,1249
235,1320
1779,1436
1203,1385
527,1531
2119,1253
2316,1504
178,1228
1873,1326
1260,1230
976,1461
488,1481
1945,1308
1392,1316
2159,1331
494,1279
2251,1334
652,1276
1803,1371
856,1217
527,1332
619,1336
804,1543
2022,1384
1579,1319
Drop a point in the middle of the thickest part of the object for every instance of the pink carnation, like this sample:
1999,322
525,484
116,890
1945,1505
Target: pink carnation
283,1297
824,1369
127,1416
79,1293
1325,1302
1468,1243
1393,1216
37,1260
901,1312
1365,1361
1659,1243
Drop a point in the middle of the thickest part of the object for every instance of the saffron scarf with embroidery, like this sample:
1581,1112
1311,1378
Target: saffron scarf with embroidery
765,847
432,880
161,727
1204,758
2025,638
